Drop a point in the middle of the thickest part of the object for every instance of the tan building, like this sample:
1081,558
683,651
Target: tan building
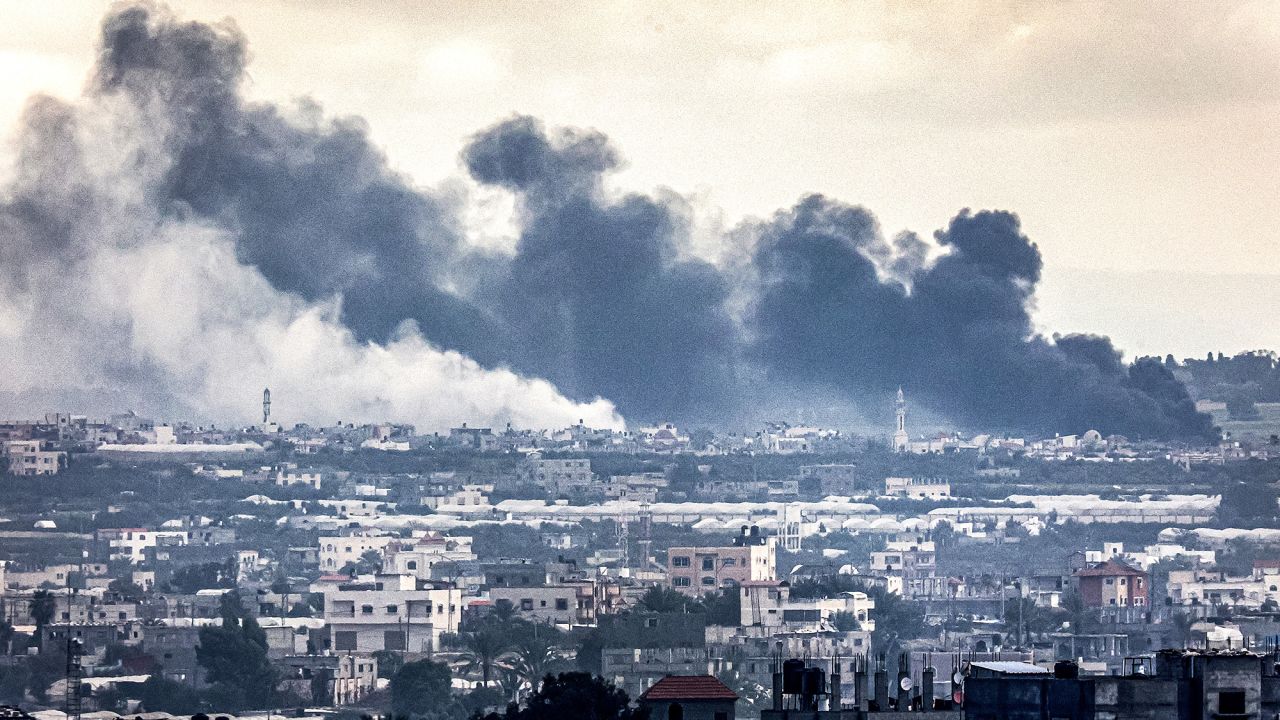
31,457
699,570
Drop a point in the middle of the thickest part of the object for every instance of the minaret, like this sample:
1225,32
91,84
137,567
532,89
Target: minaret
900,437
266,405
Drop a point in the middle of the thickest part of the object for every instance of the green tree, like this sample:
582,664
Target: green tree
724,608
43,605
110,698
234,657
126,589
205,576
6,636
534,651
160,694
389,663
370,562
896,619
845,621
1080,617
663,600
1025,620
421,688
483,646
574,695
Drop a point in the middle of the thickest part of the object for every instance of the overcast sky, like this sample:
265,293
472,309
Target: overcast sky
1139,142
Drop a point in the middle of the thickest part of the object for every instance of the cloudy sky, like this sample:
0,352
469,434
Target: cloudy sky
1139,142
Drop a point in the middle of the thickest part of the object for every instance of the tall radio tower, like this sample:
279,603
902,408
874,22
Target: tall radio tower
266,406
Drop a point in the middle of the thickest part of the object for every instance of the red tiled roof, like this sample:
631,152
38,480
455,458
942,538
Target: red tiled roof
1110,568
688,687
1261,564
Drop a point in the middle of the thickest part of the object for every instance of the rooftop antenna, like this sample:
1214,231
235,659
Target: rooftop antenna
266,406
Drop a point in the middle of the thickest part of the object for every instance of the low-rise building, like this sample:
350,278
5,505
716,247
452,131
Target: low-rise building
917,488
326,680
769,604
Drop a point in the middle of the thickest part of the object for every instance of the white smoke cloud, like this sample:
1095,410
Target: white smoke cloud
159,313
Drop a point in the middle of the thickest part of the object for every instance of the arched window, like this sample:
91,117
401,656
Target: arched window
675,711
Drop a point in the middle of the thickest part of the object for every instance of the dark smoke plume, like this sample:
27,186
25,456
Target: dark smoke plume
957,332
597,292
602,295
314,205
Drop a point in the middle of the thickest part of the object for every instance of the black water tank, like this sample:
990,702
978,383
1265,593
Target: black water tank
814,683
792,672
1066,670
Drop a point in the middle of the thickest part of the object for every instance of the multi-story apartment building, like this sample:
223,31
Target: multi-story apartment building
906,556
341,679
699,570
131,544
1112,584
34,457
390,612
560,477
419,556
769,604
337,551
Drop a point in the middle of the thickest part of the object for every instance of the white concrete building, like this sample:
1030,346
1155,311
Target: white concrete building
336,552
769,604
917,488
389,612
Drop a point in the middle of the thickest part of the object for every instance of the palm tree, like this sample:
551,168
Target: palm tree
1181,624
503,612
533,653
1079,614
482,647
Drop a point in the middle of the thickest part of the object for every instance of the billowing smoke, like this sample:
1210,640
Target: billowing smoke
956,332
598,294
164,247
168,240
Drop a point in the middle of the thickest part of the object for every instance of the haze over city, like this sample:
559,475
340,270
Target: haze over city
639,361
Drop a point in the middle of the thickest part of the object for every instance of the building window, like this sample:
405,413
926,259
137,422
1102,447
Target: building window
730,562
393,640
1231,702
708,580
1110,581
562,604
393,609
679,561
680,582
366,609
708,563
344,640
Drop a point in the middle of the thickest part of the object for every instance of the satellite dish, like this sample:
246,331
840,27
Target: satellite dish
957,677
905,683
